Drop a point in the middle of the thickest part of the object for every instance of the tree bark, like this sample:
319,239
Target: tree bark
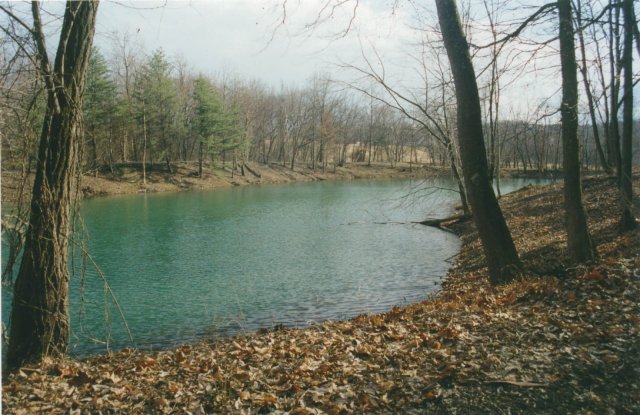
456,175
500,252
39,316
628,221
579,241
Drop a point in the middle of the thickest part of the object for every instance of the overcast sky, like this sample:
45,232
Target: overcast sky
248,38
255,39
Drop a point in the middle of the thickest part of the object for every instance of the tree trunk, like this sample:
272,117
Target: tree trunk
111,147
579,241
628,221
168,163
124,146
144,145
500,252
613,139
94,149
590,100
456,175
294,153
497,171
39,315
370,130
200,156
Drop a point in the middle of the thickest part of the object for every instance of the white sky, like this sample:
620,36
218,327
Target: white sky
234,36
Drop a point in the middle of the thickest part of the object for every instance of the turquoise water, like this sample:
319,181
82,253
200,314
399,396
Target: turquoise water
188,266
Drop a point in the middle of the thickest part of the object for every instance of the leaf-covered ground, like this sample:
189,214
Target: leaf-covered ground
563,339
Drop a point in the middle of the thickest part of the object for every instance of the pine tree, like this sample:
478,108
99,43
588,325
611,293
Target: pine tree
155,91
208,123
99,107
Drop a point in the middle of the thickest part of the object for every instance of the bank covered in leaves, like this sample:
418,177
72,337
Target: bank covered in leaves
563,339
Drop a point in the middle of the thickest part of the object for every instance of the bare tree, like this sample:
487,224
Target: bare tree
579,241
589,94
613,138
628,221
500,252
39,316
430,114
21,111
493,106
126,67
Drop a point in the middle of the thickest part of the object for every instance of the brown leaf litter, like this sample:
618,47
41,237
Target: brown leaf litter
563,339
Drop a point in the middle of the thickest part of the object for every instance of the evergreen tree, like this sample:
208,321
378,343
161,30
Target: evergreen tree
99,108
232,139
156,93
208,123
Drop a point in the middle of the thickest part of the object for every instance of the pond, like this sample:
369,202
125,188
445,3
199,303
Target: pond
196,265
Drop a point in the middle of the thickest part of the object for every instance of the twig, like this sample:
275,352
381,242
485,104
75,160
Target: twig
516,383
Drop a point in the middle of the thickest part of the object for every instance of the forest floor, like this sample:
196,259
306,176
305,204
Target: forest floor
127,178
562,339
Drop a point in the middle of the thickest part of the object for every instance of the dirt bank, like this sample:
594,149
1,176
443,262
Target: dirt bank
127,178
563,339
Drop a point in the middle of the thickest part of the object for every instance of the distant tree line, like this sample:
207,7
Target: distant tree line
155,111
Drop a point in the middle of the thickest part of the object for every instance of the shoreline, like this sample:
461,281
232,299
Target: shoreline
562,339
126,178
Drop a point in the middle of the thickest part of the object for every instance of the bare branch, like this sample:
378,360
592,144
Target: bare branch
42,57
16,18
541,12
284,11
20,45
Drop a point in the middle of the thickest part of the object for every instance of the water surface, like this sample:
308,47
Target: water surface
187,266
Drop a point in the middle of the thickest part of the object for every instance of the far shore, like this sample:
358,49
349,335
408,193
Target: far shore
126,178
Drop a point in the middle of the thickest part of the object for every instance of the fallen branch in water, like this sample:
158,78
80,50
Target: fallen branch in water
444,223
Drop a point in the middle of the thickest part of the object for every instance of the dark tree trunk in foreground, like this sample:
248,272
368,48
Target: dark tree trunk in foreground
628,221
500,252
579,241
39,315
